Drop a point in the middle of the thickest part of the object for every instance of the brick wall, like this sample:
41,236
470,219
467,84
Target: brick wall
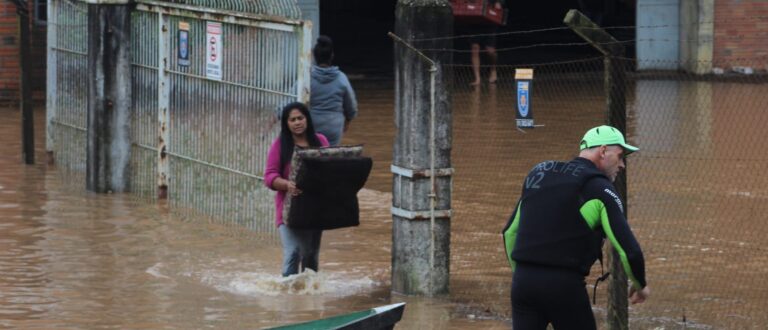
741,34
9,50
9,56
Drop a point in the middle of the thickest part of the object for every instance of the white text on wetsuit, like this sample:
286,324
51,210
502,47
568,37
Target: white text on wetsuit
557,167
616,198
532,181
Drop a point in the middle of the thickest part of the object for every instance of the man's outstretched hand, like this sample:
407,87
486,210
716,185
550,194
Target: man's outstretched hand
638,297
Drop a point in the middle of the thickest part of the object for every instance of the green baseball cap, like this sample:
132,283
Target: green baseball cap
605,135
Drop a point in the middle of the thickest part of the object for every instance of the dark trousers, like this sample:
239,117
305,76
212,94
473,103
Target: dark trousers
543,295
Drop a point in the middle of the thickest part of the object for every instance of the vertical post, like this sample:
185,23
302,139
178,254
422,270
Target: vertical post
163,103
421,161
697,35
109,96
27,113
51,87
616,116
305,62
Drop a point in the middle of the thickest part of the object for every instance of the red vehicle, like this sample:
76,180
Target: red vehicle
478,12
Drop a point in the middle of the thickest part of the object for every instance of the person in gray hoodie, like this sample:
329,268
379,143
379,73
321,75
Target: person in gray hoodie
332,102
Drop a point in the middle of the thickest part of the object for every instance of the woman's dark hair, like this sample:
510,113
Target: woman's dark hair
286,137
323,50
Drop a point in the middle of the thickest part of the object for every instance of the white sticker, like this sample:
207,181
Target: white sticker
213,50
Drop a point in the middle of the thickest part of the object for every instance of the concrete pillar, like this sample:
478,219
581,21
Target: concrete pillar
421,248
697,35
109,96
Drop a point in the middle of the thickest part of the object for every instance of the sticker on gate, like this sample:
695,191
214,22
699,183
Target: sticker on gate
183,44
213,53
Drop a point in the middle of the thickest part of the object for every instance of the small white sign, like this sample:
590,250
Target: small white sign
213,50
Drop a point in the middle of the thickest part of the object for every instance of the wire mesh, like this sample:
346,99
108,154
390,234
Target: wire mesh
699,194
694,191
491,158
220,131
144,84
69,119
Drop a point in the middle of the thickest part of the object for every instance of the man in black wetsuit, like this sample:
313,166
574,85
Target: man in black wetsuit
557,229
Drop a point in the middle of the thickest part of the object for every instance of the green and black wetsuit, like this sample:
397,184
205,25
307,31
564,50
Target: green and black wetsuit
555,235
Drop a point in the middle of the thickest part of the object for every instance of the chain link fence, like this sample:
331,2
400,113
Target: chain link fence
695,193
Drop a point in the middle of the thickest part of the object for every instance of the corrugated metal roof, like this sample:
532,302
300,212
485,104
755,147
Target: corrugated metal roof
276,8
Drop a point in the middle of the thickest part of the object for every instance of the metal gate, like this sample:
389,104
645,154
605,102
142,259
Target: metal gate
206,85
67,100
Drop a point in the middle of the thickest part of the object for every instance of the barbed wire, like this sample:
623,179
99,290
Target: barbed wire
491,34
650,155
624,27
580,60
571,44
730,61
564,44
621,58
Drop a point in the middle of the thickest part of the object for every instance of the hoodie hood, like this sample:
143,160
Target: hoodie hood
325,75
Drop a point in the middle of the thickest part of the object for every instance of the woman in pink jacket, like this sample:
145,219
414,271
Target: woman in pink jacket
296,129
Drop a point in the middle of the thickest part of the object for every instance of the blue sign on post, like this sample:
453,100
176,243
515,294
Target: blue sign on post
183,44
523,113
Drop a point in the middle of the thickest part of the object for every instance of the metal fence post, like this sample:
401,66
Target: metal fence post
27,113
163,102
616,116
51,78
305,62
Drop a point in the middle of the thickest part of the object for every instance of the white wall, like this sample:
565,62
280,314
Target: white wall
658,34
310,10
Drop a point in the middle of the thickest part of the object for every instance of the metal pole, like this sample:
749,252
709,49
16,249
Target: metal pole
51,88
163,103
27,113
432,194
616,116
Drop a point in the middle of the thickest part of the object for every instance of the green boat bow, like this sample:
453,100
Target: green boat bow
383,317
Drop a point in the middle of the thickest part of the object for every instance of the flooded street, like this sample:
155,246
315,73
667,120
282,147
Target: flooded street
696,195
70,259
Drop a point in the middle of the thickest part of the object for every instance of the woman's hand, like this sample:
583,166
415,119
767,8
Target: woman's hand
292,190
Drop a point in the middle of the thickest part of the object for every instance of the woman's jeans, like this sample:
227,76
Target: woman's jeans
300,245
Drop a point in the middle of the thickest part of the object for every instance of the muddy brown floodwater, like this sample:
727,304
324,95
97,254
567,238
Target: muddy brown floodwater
70,259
